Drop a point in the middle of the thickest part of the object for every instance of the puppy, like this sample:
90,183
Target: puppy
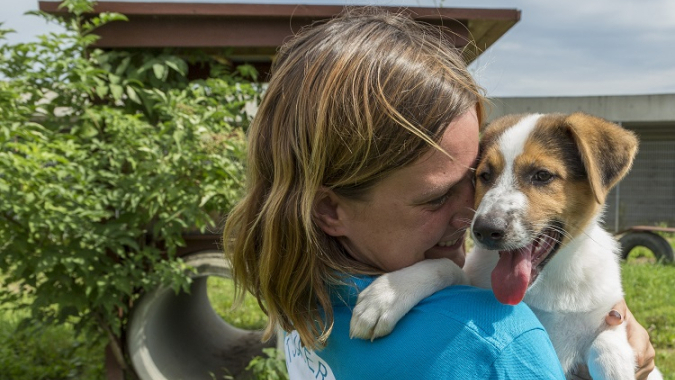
541,183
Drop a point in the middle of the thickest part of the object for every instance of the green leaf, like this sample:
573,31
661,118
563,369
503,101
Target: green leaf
159,70
122,67
102,91
177,65
107,17
114,79
133,95
116,90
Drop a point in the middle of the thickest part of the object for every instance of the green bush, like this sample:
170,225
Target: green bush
36,351
106,159
272,366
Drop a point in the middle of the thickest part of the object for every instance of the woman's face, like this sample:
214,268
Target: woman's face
420,211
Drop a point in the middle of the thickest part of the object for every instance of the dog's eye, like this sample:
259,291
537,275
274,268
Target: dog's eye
542,176
485,176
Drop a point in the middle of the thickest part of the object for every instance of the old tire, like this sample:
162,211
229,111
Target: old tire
657,244
179,336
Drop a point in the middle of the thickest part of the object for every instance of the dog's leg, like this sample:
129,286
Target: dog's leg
384,302
610,357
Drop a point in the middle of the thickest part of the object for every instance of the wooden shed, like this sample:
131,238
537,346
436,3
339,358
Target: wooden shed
255,31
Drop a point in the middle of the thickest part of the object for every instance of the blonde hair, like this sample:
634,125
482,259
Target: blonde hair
349,102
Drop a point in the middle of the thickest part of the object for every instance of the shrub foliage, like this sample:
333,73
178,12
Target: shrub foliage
106,159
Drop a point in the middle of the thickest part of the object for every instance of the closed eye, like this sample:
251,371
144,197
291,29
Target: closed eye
440,201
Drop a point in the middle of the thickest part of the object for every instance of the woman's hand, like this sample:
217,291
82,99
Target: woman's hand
637,337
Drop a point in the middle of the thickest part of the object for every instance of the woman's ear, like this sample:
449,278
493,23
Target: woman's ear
328,212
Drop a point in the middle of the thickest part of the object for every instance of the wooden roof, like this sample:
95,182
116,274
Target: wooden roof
255,31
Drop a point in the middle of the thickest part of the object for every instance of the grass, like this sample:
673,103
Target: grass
650,294
52,352
248,316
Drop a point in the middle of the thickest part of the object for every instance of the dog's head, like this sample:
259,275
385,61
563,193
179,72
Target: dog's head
540,181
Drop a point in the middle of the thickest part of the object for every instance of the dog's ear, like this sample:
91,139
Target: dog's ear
606,149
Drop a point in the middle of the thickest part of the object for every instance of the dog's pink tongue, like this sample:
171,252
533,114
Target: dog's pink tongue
511,276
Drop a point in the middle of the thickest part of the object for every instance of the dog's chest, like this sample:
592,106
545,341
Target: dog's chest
571,334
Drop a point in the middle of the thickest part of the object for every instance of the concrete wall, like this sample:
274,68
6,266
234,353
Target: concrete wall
632,108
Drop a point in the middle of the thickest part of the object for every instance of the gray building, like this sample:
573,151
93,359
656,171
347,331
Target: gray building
647,195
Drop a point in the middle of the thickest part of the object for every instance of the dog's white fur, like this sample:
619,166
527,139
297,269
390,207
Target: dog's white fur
571,295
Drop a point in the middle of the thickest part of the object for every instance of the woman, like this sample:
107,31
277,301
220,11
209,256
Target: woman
360,163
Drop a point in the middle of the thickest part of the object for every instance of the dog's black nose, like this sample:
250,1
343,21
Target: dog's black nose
489,230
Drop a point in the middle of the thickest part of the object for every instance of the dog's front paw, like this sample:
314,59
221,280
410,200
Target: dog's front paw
377,310
382,304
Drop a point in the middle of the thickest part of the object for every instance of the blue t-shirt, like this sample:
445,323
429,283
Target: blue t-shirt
460,332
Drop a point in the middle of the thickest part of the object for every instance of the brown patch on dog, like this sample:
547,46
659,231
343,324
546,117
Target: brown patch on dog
606,149
545,200
492,161
567,198
580,208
